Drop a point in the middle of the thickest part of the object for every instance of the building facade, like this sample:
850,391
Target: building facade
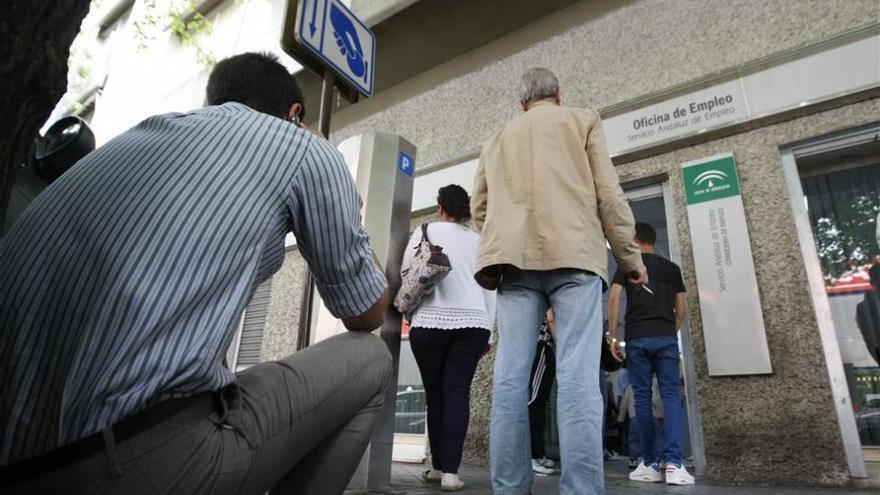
789,89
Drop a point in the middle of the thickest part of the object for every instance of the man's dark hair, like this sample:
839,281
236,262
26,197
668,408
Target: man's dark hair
874,274
645,234
257,80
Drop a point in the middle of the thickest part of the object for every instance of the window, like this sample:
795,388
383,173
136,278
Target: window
841,187
247,345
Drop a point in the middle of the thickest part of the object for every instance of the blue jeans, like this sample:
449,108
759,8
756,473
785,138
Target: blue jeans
646,356
634,444
523,298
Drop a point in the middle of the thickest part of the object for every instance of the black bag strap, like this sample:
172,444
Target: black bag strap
425,233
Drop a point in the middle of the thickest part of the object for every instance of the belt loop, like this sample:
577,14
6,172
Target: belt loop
112,457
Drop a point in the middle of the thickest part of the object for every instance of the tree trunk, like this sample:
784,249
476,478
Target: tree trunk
35,39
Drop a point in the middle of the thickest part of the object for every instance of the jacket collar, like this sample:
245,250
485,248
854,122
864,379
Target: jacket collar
541,103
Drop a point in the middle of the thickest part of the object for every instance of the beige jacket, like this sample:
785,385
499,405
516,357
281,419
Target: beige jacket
546,196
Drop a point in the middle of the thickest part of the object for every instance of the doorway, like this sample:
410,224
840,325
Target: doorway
834,184
651,202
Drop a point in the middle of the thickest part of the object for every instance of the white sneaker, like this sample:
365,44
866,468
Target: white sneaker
539,468
451,483
432,475
647,474
547,463
678,475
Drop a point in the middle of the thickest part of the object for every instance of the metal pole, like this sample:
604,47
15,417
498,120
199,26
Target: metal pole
326,101
304,334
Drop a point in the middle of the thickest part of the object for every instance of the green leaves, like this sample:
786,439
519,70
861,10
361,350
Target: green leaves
188,25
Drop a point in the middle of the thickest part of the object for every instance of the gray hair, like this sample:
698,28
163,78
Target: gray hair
537,84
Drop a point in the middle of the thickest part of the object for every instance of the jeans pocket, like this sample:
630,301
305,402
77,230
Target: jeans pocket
669,348
582,276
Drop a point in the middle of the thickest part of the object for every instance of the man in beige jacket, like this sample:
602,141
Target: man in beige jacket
546,196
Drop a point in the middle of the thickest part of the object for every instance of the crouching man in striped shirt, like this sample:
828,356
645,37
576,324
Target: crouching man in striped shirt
123,284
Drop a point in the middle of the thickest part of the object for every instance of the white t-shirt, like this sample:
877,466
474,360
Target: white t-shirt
457,300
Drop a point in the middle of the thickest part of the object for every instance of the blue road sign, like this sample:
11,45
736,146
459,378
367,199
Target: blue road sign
336,36
405,164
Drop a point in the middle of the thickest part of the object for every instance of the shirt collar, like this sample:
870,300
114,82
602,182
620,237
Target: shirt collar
233,107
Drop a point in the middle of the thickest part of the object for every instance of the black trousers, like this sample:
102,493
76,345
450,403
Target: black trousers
540,386
447,361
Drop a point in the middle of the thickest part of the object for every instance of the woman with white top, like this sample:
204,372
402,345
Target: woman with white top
450,331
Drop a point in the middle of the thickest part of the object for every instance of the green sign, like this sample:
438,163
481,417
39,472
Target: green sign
710,180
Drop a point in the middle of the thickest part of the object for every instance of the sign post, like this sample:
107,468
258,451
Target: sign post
326,37
730,305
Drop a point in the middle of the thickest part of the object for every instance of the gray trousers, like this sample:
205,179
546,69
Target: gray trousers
299,425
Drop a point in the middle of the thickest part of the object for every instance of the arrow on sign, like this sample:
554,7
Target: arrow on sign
312,25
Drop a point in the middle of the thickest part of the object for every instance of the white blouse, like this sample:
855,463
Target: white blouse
457,300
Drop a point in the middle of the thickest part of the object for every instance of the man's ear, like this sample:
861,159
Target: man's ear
294,111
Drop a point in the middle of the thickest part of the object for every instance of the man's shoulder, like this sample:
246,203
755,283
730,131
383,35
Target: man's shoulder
661,261
492,141
585,112
587,117
664,260
495,136
663,268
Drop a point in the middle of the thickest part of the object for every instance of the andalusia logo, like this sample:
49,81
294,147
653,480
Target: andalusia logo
713,179
709,178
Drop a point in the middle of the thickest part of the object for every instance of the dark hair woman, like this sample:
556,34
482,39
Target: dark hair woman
449,333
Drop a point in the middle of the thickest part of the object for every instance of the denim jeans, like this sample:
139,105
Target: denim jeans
634,443
523,298
646,356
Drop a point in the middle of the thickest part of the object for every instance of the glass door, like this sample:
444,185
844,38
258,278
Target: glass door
410,413
842,196
834,187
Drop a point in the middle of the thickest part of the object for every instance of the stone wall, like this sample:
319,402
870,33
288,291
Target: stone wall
604,52
282,317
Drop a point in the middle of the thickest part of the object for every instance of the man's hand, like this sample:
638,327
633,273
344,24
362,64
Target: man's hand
551,323
616,351
639,277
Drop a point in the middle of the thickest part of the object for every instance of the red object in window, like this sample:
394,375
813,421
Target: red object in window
857,280
404,329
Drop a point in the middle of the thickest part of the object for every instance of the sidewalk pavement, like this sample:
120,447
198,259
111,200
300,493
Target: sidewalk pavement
406,479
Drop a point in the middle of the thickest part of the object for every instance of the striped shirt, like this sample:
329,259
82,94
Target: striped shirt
123,283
